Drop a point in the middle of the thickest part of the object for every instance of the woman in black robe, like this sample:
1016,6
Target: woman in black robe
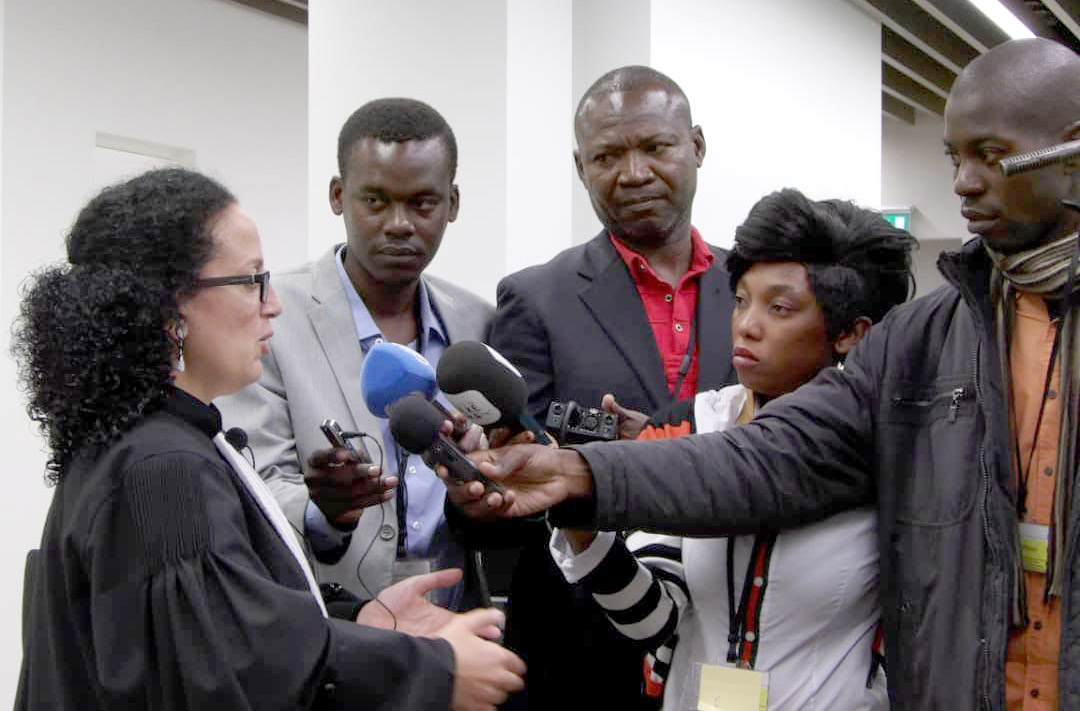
167,576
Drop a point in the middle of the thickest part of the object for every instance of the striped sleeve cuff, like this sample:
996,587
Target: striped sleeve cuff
574,567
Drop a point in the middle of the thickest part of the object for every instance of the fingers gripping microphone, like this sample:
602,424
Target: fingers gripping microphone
392,371
415,423
480,382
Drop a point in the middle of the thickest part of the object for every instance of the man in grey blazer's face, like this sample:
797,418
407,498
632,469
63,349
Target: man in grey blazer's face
396,198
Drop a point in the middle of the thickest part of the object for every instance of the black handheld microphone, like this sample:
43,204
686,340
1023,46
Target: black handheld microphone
480,382
415,423
1040,158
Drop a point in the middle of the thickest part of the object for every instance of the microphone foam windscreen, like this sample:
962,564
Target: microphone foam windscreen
390,372
481,383
415,422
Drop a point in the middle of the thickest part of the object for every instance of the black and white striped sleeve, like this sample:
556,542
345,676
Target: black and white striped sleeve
639,583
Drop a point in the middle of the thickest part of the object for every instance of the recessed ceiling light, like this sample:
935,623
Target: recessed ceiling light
1001,16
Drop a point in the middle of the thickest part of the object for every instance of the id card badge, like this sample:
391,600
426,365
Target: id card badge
1034,547
723,687
408,567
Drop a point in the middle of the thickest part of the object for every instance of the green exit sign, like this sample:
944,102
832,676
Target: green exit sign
898,217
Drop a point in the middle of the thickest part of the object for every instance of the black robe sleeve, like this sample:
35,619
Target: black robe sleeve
195,604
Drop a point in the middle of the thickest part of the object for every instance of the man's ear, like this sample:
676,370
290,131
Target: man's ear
455,202
580,167
697,135
337,185
847,340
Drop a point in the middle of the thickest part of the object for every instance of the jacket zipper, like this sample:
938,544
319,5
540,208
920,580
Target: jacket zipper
956,395
985,642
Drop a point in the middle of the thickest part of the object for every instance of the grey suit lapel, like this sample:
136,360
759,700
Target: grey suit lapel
333,323
461,322
614,302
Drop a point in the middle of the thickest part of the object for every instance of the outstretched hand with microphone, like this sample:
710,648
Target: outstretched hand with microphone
535,477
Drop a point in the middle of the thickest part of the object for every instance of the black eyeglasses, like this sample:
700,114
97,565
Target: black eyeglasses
263,280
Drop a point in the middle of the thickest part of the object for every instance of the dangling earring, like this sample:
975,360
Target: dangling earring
180,333
180,355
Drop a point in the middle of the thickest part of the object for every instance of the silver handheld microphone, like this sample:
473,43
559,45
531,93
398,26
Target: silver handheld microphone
1040,158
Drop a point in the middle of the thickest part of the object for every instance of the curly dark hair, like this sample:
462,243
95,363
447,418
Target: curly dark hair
91,338
396,120
858,264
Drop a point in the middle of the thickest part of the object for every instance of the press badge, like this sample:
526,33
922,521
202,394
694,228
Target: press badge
728,688
1034,547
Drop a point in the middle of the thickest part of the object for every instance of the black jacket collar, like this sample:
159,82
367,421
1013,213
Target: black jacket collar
205,417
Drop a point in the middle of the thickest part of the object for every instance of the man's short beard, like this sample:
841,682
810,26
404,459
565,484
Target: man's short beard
1024,235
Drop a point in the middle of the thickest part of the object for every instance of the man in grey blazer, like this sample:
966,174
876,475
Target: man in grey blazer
396,194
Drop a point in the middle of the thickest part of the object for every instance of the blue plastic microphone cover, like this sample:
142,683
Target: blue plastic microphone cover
390,372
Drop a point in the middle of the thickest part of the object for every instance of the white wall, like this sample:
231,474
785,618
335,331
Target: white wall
208,75
787,93
539,134
915,172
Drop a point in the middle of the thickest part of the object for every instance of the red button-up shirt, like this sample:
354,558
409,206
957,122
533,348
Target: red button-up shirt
670,310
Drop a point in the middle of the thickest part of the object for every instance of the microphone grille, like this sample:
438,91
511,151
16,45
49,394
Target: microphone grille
414,422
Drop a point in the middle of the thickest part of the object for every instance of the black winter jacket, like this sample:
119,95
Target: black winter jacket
916,422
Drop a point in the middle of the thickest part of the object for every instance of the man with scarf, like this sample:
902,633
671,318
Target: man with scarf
957,415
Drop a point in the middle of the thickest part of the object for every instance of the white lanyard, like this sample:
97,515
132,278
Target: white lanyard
270,508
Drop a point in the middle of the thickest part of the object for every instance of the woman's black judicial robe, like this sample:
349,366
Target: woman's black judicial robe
161,585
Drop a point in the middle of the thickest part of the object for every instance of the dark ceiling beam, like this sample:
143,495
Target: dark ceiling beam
911,90
1067,12
963,17
275,7
896,108
1042,22
920,28
899,51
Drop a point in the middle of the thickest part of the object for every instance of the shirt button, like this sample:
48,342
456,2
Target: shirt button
668,298
412,470
1051,394
1038,625
750,636
416,525
678,327
1049,471
1034,693
758,581
641,266
386,532
378,341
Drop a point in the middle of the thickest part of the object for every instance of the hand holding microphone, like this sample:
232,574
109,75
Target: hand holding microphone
342,482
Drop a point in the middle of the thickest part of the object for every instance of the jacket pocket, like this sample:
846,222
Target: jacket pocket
928,438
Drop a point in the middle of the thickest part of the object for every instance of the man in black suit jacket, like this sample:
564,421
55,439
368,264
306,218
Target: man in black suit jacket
584,325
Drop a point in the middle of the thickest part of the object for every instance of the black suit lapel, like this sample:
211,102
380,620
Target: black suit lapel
614,302
714,319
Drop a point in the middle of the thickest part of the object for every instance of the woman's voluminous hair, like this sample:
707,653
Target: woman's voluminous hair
858,264
90,339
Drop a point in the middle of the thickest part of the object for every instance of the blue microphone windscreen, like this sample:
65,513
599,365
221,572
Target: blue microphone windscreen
392,371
